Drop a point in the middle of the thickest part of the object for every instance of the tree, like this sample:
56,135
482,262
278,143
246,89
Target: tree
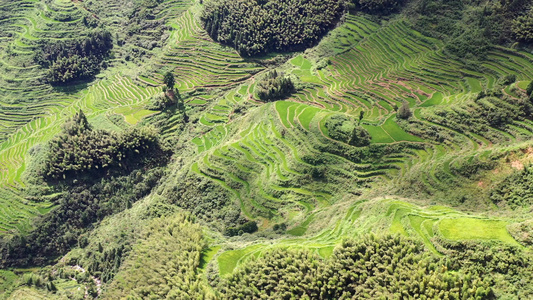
529,89
360,137
361,116
509,79
404,112
274,86
523,28
169,80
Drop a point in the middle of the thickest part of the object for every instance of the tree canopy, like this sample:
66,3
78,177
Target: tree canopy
255,27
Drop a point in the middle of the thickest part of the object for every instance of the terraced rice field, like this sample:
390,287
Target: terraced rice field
374,69
388,215
198,63
269,155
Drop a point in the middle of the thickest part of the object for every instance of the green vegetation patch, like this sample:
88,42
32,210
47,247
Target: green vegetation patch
168,252
472,229
397,133
369,268
228,260
379,135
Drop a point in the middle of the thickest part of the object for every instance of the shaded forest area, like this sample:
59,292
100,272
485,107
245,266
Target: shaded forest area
71,60
257,27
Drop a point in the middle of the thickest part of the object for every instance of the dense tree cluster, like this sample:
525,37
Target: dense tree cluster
248,227
516,190
391,267
523,27
255,27
76,210
404,112
381,7
506,268
345,130
203,198
523,232
469,28
75,59
161,101
274,87
164,263
81,150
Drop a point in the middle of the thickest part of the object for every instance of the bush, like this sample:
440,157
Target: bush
529,89
248,227
347,131
509,79
360,137
516,190
160,101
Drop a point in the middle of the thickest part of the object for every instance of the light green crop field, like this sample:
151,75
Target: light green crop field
471,229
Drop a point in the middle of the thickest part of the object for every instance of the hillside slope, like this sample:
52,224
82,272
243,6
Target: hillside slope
395,133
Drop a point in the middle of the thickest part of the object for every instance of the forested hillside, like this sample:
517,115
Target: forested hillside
266,149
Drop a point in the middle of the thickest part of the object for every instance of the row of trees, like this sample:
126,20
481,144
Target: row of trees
74,59
390,267
257,27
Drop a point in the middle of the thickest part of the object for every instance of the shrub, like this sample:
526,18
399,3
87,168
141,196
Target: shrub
529,89
516,190
360,137
345,130
248,227
509,79
160,101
